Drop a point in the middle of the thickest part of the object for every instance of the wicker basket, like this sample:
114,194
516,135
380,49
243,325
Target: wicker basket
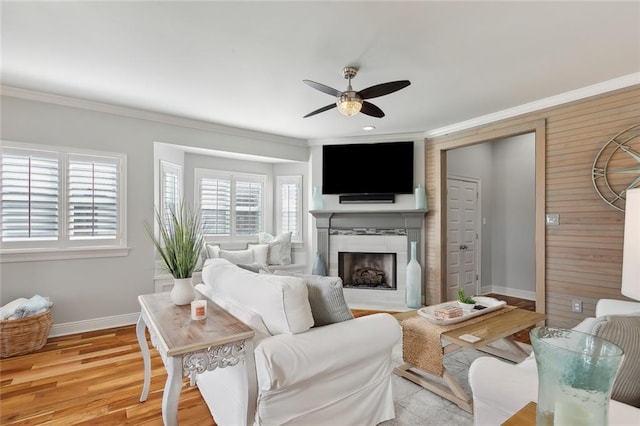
21,336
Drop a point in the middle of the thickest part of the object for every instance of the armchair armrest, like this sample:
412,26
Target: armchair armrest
500,389
284,360
616,307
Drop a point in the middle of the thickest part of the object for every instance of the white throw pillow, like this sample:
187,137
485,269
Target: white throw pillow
213,251
260,253
238,256
279,247
281,302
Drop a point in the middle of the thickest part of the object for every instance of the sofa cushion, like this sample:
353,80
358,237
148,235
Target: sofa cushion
624,331
212,251
326,298
237,256
281,301
279,247
260,253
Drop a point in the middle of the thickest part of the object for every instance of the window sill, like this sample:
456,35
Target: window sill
9,256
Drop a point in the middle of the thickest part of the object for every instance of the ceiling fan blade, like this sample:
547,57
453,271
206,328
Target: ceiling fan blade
383,89
321,87
370,109
323,109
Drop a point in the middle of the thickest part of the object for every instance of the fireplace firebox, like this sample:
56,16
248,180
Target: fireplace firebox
371,271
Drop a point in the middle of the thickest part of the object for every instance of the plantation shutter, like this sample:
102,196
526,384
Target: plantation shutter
30,192
92,192
289,209
170,186
248,207
215,205
170,193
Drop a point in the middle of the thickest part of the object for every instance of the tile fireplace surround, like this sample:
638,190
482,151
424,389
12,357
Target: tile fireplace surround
376,232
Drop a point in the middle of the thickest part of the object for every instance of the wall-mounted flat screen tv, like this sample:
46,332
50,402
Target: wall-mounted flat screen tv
371,168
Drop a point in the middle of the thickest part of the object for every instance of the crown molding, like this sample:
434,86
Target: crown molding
68,101
395,137
574,95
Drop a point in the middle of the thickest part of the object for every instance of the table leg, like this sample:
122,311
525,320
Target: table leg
144,348
451,390
172,389
252,381
516,356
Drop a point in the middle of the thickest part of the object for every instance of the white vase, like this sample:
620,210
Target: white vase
421,198
317,202
414,280
182,292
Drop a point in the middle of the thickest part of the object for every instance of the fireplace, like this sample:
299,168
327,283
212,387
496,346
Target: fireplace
365,231
372,271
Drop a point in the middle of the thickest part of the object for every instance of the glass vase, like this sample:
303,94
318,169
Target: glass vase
317,201
319,267
414,280
421,198
576,372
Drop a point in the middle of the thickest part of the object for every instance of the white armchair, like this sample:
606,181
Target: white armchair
339,373
501,389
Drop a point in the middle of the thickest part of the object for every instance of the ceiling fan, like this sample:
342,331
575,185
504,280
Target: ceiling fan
351,102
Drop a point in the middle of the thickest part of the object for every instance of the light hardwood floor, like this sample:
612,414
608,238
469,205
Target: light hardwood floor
91,378
94,378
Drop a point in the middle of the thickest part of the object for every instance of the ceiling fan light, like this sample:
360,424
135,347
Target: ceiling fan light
349,105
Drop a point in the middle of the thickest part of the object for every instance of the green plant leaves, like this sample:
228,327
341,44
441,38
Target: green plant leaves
180,241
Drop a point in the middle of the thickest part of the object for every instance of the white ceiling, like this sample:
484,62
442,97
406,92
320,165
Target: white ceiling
242,63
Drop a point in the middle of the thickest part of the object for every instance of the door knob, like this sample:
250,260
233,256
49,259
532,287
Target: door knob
463,247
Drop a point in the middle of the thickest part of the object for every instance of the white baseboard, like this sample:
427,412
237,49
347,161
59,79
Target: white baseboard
93,324
513,292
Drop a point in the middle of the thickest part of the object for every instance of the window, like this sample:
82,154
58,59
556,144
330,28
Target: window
170,187
58,199
231,204
289,206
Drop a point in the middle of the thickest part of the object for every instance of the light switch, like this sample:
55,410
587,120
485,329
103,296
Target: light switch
576,306
553,219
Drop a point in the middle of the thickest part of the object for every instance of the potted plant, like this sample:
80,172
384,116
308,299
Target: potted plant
466,303
179,244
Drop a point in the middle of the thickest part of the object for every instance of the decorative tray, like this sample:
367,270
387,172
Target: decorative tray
490,304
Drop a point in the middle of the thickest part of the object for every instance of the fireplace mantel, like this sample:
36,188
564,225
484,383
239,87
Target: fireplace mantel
326,220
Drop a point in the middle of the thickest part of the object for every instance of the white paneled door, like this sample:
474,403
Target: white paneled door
462,237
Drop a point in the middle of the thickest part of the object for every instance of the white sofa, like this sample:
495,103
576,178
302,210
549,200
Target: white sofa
338,373
501,389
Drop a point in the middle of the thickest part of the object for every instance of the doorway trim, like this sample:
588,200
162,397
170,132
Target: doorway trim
478,183
466,138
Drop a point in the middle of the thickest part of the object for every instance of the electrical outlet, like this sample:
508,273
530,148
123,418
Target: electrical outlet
576,306
553,219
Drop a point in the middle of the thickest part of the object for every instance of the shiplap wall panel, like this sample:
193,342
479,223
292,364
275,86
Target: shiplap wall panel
583,254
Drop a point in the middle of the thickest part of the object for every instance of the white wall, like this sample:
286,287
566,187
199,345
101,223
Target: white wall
506,169
85,290
513,200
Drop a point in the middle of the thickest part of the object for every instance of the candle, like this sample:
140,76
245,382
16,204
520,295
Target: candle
198,310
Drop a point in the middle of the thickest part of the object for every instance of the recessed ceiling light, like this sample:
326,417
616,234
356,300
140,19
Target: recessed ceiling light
368,128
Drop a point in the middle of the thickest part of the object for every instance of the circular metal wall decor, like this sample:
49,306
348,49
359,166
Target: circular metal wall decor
616,168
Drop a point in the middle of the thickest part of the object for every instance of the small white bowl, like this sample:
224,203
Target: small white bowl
466,306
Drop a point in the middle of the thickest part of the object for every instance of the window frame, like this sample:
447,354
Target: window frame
287,180
64,246
200,173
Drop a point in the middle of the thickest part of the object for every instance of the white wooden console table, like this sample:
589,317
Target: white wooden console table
191,347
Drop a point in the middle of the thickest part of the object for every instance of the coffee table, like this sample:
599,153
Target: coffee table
497,328
190,347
